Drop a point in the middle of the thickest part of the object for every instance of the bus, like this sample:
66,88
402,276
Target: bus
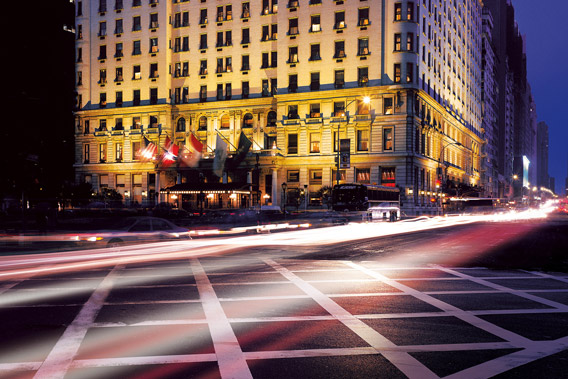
362,197
471,205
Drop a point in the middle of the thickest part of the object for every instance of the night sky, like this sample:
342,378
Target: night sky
543,22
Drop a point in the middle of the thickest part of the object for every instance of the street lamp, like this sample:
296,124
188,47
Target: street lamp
284,187
366,100
440,186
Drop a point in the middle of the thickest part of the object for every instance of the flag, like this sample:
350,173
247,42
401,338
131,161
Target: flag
220,156
171,151
242,150
148,152
190,155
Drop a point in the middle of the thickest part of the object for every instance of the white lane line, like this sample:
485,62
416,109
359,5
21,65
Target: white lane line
559,278
232,363
147,360
456,312
502,288
61,356
508,362
6,368
403,361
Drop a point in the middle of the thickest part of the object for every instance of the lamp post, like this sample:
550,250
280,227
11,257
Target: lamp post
440,186
366,100
284,187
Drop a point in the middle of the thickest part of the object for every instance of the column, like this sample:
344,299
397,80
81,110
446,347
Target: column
274,193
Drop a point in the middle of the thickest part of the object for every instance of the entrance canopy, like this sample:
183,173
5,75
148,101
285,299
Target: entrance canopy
207,188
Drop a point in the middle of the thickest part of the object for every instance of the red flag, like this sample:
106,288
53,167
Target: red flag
148,153
170,154
192,153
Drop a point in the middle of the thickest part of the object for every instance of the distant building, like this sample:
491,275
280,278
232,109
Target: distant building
292,77
543,179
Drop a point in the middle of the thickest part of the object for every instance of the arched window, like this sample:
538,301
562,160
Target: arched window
180,125
202,123
225,122
247,120
271,118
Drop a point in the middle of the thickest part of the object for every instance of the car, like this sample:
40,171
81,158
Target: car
137,230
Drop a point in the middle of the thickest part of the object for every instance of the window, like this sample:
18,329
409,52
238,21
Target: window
315,110
219,68
185,19
397,72
363,16
118,29
219,91
388,109
136,24
293,26
339,79
118,102
362,76
397,11
225,121
177,20
118,50
102,52
79,33
102,6
397,41
410,11
245,90
153,121
293,112
264,60
245,36
271,119
388,176
153,45
245,10
203,41
315,23
79,8
153,70
315,142
203,94
292,144
136,123
363,46
339,109
245,63
177,95
339,49
86,157
185,95
316,176
153,20
102,152
177,70
102,28
315,52
136,48
265,87
387,139
153,96
409,72
136,97
363,175
248,120
273,59
362,140
203,16
79,78
410,41
203,67
79,54
102,125
136,3
87,127
293,83
136,74
202,123
293,54
273,86
102,100
219,39
228,91
339,20
315,81
136,152
293,176
185,69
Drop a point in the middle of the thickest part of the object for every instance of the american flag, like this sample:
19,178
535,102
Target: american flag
148,152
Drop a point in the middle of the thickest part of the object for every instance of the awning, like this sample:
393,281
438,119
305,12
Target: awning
219,188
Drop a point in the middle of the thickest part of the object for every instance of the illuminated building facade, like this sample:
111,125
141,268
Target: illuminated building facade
292,76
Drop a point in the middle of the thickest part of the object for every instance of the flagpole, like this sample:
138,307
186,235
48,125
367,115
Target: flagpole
222,136
206,145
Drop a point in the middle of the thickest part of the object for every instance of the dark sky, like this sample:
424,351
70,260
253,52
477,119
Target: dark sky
544,23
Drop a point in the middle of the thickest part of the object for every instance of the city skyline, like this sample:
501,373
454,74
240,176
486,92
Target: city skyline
540,29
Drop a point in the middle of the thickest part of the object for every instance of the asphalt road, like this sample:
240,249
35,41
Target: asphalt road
471,301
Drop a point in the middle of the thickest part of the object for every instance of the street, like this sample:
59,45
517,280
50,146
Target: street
466,300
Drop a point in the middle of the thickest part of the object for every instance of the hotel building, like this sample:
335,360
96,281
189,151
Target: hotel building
292,76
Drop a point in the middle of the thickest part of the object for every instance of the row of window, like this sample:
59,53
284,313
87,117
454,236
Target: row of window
362,141
362,175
